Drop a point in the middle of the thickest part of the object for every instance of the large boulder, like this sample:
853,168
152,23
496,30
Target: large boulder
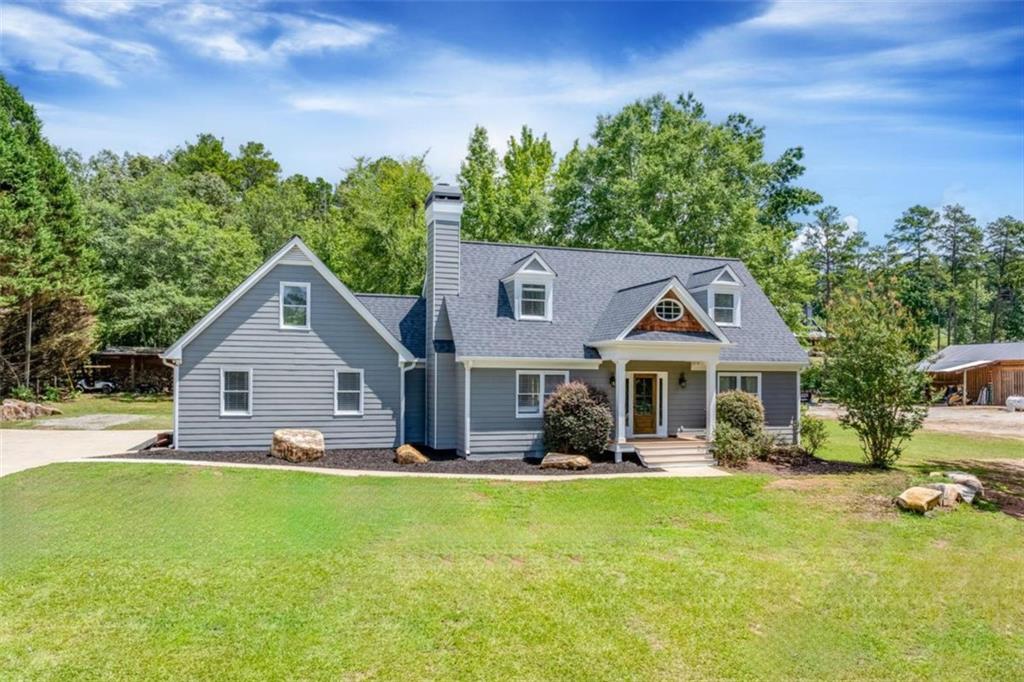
950,493
558,460
967,493
968,480
16,410
297,445
407,454
919,499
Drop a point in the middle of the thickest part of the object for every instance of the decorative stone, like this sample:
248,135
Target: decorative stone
407,454
950,493
967,493
297,445
918,499
16,410
969,480
558,460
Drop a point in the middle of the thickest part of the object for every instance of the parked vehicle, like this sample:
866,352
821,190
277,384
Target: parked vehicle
97,386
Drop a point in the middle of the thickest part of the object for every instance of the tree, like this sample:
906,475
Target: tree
254,166
660,177
206,155
921,281
379,243
45,258
871,373
524,191
834,250
959,240
1005,245
478,179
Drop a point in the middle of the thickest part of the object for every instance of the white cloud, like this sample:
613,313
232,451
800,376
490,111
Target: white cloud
101,9
236,33
48,43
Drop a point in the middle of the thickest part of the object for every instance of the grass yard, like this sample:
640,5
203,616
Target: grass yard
156,410
162,571
924,447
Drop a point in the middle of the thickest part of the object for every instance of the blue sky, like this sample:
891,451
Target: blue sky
894,103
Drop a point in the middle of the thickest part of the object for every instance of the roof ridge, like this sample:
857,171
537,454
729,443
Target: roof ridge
592,250
647,284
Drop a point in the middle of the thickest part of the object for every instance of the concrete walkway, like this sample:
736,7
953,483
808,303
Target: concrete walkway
22,449
678,472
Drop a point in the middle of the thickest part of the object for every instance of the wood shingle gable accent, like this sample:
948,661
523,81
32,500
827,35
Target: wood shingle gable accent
687,323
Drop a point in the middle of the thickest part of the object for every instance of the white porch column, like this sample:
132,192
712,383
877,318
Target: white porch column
711,395
620,408
467,401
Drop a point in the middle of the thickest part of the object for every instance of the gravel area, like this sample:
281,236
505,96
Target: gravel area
970,420
89,422
383,460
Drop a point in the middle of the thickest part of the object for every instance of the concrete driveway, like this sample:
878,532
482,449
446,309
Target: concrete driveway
22,449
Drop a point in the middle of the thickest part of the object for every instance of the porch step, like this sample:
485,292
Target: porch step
680,454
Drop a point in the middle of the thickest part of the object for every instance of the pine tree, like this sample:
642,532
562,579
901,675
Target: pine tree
959,240
1005,247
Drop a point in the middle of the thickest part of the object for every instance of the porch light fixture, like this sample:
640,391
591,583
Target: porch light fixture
611,379
682,380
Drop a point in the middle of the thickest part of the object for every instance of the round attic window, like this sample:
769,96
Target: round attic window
668,310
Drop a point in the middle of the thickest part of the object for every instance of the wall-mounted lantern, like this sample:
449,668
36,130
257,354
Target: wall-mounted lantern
682,380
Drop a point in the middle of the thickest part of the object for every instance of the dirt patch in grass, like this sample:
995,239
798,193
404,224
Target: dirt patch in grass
837,492
809,466
383,460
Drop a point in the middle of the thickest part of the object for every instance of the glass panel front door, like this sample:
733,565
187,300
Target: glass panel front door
645,404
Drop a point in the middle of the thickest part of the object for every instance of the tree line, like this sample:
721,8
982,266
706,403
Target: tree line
132,249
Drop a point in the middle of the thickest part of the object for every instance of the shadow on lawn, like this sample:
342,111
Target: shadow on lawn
1003,481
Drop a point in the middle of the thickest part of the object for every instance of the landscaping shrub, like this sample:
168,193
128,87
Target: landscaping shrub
731,446
742,411
577,420
813,433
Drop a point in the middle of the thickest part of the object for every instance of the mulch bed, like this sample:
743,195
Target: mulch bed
441,462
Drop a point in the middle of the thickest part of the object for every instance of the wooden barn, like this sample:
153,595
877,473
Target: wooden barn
991,372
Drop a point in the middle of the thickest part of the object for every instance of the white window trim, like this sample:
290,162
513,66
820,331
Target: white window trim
682,310
739,380
362,393
235,413
547,281
543,378
280,305
725,288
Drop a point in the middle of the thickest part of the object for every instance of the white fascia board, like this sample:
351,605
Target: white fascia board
528,363
689,302
763,366
174,352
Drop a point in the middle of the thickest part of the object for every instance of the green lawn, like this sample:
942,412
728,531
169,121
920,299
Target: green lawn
160,571
925,446
157,410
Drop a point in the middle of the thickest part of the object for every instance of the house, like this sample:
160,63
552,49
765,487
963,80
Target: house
991,372
469,363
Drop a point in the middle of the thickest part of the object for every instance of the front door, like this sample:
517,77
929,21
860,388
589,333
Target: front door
645,404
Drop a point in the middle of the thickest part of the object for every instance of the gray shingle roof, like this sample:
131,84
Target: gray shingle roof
955,356
483,323
690,337
624,307
403,316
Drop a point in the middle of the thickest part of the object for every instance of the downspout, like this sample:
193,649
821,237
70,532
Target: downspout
404,366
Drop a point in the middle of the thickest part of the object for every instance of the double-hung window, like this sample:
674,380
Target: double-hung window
533,300
348,392
735,381
725,308
294,297
236,392
533,389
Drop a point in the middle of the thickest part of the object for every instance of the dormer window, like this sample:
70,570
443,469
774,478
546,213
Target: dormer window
725,308
723,293
533,300
668,310
530,286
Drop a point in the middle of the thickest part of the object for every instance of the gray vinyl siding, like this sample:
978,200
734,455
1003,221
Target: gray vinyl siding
779,394
292,372
446,397
702,299
415,405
